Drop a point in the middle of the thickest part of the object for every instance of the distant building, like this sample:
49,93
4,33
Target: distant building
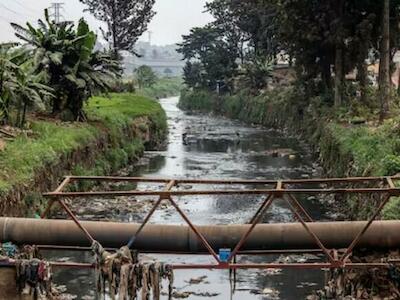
164,60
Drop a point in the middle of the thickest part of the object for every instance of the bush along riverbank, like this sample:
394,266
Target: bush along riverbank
118,130
344,144
163,88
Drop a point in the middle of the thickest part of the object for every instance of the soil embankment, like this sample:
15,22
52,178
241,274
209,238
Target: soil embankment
118,131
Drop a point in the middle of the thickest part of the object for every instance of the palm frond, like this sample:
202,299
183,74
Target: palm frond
43,26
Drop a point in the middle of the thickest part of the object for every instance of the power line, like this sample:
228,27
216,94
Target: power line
14,12
9,9
35,11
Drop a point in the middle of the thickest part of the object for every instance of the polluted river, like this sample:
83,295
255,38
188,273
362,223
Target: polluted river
210,147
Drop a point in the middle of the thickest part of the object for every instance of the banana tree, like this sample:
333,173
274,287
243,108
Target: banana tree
8,69
31,93
65,56
20,89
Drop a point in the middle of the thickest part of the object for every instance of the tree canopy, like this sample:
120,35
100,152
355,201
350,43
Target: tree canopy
126,20
214,60
323,40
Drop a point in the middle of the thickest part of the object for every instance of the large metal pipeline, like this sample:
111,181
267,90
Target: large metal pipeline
179,239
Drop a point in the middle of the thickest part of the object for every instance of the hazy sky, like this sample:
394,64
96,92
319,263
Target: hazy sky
174,17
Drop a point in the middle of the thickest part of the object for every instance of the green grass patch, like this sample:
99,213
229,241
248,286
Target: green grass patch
374,149
23,156
112,160
51,140
119,109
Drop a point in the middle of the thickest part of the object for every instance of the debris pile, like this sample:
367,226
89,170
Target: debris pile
126,277
7,132
33,275
366,283
34,278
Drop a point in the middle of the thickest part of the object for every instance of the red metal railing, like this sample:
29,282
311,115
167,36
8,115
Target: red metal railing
275,189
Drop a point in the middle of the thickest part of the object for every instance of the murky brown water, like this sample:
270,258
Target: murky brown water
220,148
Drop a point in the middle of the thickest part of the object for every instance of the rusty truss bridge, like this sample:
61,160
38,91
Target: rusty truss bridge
335,241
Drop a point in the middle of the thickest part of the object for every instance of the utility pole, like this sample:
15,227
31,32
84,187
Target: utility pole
56,7
150,33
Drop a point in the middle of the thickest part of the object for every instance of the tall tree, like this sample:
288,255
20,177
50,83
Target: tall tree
306,33
145,76
208,46
259,22
228,23
126,21
193,74
361,44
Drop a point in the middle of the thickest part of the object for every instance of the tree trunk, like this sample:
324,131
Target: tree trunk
23,118
398,80
384,64
326,74
56,109
114,32
362,74
338,76
6,112
339,72
18,121
242,52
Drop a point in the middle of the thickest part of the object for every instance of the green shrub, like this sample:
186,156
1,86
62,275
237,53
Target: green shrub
391,164
198,100
392,209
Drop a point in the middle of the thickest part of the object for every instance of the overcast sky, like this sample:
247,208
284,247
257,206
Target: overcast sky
174,17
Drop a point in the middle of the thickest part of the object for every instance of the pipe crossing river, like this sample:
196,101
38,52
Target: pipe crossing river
381,235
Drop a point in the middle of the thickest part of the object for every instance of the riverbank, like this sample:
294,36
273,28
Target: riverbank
118,130
344,145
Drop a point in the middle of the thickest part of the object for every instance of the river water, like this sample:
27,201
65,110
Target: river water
202,146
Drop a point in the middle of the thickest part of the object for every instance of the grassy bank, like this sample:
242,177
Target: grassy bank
344,148
118,129
163,88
